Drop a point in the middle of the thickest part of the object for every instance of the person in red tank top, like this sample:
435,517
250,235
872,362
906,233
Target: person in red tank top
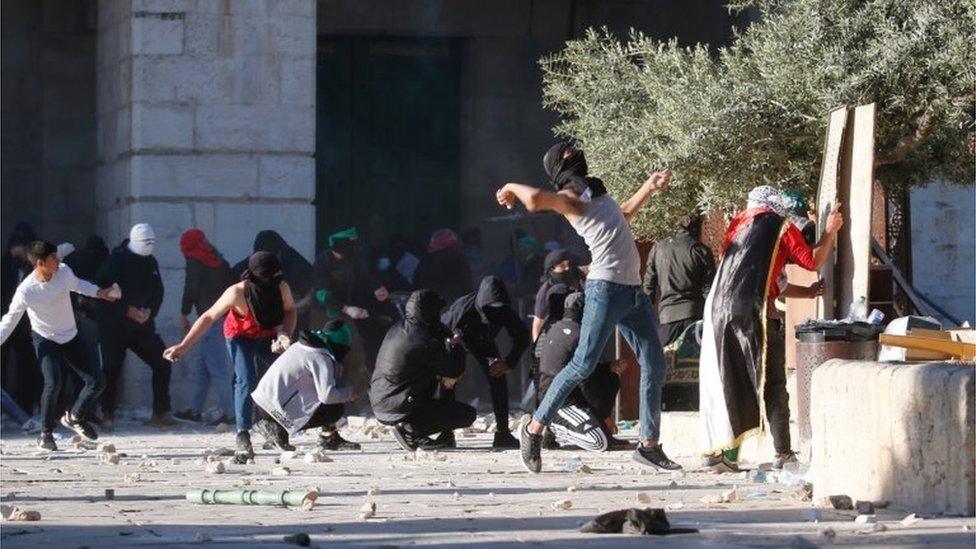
260,319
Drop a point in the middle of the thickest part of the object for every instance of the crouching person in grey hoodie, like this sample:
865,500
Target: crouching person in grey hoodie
303,388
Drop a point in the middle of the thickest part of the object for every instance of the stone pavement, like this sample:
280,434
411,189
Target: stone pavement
471,496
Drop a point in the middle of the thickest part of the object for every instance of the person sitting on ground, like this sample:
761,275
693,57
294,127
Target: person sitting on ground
477,318
207,276
304,387
260,318
418,355
44,295
585,418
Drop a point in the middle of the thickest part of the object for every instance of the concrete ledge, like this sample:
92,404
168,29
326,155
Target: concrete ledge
901,433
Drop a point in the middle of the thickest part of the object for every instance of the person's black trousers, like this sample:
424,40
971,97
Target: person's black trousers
775,395
440,414
148,346
326,415
668,332
498,387
21,377
53,357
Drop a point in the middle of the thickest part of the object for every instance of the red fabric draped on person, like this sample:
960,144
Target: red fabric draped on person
194,244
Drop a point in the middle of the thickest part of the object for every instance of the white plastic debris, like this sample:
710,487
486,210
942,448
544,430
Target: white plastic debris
318,456
911,520
562,505
367,511
866,519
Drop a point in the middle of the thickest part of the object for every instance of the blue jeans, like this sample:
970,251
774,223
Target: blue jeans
247,354
211,365
607,306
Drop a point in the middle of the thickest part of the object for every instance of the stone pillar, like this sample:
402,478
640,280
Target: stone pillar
206,118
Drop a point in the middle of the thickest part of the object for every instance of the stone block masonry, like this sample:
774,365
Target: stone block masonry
902,433
206,116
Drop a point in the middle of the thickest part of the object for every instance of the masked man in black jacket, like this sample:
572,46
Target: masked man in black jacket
477,318
129,323
417,356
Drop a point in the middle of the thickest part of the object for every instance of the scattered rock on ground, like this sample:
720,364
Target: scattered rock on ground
841,502
864,507
642,497
368,510
911,520
216,468
562,505
301,539
16,514
202,537
865,519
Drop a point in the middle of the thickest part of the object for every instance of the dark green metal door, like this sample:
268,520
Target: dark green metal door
387,136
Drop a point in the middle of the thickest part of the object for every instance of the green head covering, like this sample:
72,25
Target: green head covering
335,333
346,234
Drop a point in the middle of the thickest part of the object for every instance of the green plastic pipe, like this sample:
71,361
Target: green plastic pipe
252,497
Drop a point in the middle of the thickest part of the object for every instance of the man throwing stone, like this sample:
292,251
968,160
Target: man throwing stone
614,298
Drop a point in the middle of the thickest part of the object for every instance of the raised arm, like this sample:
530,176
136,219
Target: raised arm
826,245
204,322
537,200
657,181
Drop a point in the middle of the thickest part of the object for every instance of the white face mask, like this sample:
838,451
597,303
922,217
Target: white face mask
142,247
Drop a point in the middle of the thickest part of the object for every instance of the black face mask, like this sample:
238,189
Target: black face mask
339,351
569,278
494,314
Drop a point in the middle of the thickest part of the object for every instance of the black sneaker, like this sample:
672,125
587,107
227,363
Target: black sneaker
79,426
274,434
505,440
244,451
404,438
530,446
188,416
654,457
720,464
334,442
46,442
614,443
446,439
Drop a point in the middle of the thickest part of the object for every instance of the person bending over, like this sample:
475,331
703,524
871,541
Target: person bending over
477,318
419,355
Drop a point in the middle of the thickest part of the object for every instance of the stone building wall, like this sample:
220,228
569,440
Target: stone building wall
205,119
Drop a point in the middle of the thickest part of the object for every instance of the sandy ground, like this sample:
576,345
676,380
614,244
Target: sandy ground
471,496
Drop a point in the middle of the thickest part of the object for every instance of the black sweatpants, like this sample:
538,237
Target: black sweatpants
21,377
669,331
148,346
440,414
775,395
326,415
498,387
53,357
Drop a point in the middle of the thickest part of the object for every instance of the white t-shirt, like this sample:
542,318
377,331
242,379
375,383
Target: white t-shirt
48,305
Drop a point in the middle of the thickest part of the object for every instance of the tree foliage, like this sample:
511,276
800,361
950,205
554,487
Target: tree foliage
755,112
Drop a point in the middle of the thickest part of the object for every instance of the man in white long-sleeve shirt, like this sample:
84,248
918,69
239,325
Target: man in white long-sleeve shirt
45,295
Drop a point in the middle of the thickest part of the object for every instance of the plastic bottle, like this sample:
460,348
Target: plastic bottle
876,317
859,309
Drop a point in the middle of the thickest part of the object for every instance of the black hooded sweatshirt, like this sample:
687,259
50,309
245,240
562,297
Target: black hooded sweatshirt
142,287
414,353
479,316
558,345
296,269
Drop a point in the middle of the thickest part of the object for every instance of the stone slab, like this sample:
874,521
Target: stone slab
902,433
